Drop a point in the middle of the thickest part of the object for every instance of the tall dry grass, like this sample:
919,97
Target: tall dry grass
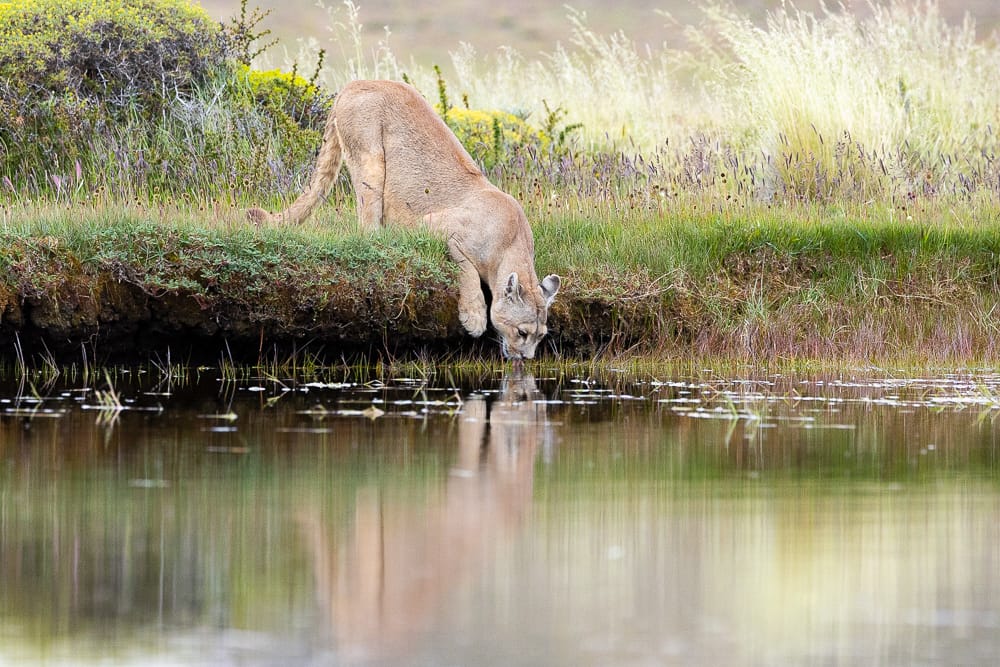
898,102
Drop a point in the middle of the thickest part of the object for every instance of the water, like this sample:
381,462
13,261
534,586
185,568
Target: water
699,520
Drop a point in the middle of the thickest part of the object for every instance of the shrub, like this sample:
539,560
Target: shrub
244,36
76,74
286,96
115,52
280,116
495,137
490,136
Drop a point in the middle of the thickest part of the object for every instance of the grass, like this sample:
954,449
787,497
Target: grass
808,106
746,282
713,204
888,102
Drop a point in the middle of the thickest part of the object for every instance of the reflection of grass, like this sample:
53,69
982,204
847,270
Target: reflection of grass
219,531
107,403
107,399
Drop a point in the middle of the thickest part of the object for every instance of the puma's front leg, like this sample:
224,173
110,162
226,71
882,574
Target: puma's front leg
471,302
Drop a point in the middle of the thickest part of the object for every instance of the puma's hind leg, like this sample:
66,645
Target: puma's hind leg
368,179
364,155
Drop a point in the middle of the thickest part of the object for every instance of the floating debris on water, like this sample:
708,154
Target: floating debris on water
224,416
372,412
148,483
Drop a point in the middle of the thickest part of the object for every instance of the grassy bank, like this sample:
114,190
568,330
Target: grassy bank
820,185
743,282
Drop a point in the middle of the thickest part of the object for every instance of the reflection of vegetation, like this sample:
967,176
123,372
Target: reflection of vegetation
166,533
185,526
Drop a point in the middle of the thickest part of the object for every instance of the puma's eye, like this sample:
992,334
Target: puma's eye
522,333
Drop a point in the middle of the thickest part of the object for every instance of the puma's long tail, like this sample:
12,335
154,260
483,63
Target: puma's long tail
327,169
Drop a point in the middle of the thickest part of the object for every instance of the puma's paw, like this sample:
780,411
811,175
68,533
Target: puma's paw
259,216
474,322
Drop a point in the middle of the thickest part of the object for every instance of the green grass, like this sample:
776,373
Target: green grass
712,204
743,283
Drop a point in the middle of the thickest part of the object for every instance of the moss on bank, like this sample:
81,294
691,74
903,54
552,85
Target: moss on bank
739,284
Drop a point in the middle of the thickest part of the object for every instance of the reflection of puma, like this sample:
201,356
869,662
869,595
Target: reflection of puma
384,583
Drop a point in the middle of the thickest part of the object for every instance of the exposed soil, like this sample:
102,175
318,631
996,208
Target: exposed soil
201,301
117,319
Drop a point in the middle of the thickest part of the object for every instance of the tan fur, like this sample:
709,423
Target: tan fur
408,168
383,577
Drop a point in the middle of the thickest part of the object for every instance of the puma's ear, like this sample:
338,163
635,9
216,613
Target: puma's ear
512,291
550,285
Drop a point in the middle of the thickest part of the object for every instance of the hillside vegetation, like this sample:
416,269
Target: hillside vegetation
822,184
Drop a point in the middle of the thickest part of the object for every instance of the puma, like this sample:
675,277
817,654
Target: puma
408,168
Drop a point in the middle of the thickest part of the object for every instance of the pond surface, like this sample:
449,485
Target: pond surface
703,520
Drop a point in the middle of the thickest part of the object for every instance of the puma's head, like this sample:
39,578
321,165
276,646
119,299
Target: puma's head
519,313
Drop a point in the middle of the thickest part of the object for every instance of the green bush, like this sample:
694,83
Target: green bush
286,96
491,135
496,137
119,53
280,118
77,75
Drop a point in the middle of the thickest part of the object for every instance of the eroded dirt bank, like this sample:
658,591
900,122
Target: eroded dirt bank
53,304
130,291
